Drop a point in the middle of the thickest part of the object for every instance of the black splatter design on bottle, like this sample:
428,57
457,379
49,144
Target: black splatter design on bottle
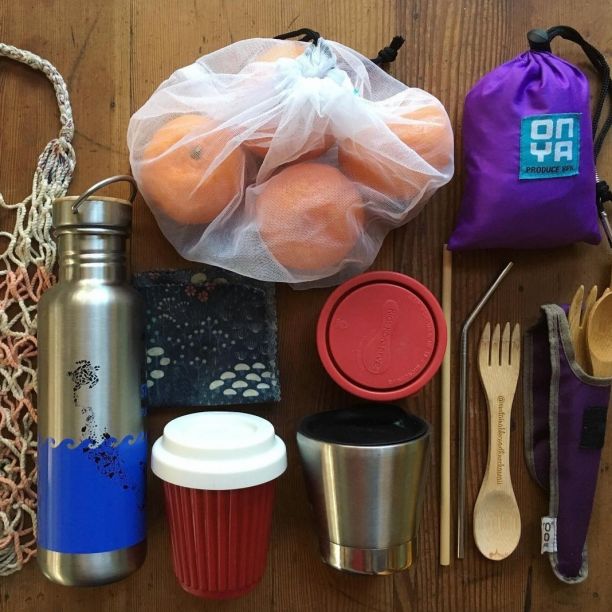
83,375
101,448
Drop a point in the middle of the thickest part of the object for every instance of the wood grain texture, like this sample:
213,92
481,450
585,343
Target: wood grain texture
114,53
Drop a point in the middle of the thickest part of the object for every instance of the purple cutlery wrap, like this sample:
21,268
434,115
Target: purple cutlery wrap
528,158
565,420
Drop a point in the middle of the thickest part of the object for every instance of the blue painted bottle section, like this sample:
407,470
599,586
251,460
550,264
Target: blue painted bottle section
91,497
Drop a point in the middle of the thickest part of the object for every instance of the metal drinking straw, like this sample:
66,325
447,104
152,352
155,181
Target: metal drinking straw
463,383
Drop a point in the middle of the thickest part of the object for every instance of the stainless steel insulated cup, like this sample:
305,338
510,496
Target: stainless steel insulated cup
365,474
91,445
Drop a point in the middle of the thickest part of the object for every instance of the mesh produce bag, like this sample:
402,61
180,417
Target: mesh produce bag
286,160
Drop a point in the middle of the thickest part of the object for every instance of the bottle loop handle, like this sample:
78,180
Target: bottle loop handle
104,183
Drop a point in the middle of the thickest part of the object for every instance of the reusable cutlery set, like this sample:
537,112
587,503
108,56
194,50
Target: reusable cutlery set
497,521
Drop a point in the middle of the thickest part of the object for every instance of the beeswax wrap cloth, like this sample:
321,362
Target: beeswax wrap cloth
210,338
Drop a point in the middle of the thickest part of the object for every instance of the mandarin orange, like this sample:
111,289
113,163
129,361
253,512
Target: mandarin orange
316,145
425,130
180,172
310,216
287,48
260,143
428,132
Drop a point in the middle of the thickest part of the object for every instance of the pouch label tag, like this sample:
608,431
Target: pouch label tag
549,534
550,146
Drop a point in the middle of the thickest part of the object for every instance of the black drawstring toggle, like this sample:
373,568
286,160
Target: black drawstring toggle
385,56
389,54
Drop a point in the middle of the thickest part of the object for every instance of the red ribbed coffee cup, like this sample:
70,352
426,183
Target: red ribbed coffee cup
219,538
219,471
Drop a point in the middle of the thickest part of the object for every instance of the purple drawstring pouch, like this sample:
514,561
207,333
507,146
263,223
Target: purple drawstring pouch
565,422
529,150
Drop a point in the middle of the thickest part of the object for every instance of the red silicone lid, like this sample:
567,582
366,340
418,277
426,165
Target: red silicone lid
381,335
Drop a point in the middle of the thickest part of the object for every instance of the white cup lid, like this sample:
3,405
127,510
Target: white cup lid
218,451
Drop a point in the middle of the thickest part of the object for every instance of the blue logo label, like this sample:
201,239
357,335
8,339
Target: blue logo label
550,146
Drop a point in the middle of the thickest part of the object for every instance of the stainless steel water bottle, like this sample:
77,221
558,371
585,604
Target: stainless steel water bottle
91,444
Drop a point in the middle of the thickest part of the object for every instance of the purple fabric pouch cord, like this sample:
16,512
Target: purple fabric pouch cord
529,151
565,421
503,205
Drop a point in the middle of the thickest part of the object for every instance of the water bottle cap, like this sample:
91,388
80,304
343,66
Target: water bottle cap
218,451
96,212
91,213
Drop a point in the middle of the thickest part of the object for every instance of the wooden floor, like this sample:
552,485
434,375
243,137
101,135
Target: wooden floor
113,54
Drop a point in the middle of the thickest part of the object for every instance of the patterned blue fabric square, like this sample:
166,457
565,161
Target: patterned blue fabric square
210,338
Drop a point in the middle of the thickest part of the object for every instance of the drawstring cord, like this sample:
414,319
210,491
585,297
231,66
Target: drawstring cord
307,35
602,190
386,55
603,69
389,54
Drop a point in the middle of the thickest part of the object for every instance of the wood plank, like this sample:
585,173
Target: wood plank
114,54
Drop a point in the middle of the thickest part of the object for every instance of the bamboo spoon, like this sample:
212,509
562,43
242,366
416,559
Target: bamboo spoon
599,336
497,521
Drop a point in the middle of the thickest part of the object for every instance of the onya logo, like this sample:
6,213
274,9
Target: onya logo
542,138
550,146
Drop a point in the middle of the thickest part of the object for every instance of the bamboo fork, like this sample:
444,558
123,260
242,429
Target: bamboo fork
462,416
577,317
573,314
497,521
579,314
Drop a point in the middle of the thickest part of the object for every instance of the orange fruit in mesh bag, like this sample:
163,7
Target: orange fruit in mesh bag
425,130
316,144
429,133
182,172
287,48
310,216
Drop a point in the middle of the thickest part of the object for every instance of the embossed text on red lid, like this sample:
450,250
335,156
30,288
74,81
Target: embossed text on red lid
381,335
